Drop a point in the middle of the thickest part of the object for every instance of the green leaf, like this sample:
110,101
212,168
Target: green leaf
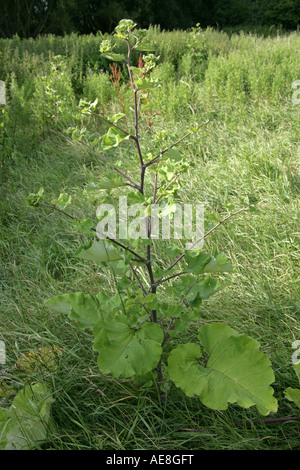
63,201
196,264
173,154
116,117
205,263
150,301
25,425
113,56
204,289
146,380
84,226
84,308
126,351
124,28
218,265
145,83
77,134
124,283
135,197
165,309
86,108
106,46
112,138
180,325
98,252
297,369
293,394
207,287
236,370
34,199
118,267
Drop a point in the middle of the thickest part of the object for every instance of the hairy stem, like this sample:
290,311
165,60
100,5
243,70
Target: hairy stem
136,117
138,279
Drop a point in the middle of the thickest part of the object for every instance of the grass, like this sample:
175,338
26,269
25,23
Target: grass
250,147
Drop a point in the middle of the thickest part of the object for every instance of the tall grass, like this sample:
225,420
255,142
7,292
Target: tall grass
249,147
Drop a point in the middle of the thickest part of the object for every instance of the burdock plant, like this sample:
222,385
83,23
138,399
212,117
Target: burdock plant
137,331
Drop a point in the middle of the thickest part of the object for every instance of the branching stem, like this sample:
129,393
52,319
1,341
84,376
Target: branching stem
158,156
201,238
116,242
131,183
136,117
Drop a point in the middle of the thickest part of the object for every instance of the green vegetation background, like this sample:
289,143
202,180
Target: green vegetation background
242,83
30,18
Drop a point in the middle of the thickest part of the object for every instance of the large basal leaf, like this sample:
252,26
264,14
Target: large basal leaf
84,308
99,252
125,350
236,370
25,425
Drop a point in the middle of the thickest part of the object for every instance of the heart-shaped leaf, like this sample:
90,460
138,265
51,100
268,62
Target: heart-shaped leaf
236,370
205,263
113,56
62,201
125,350
84,308
113,138
98,251
26,423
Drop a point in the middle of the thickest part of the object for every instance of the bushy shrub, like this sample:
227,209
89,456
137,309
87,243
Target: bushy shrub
255,69
169,46
53,99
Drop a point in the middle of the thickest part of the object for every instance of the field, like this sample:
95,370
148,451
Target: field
242,85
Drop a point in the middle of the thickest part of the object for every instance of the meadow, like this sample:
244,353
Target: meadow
242,85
